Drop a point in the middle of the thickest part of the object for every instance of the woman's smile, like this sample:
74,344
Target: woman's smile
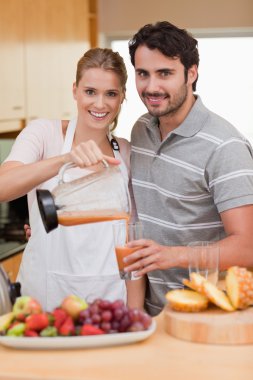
98,115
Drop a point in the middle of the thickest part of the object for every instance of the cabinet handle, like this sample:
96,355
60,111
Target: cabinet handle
17,108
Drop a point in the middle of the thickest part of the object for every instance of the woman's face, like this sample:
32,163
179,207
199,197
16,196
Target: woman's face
99,96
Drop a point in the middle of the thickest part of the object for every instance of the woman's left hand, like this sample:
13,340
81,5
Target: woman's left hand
28,231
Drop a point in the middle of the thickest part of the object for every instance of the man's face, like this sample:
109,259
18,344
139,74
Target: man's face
161,82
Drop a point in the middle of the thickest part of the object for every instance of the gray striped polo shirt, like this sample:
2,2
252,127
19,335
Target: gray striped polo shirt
203,167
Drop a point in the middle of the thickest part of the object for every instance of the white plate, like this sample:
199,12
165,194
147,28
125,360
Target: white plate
50,343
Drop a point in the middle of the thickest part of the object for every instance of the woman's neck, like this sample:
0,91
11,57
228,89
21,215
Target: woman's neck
100,137
84,133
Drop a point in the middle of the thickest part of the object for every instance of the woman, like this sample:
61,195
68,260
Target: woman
78,259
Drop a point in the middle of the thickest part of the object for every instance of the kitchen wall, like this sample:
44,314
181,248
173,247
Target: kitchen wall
124,17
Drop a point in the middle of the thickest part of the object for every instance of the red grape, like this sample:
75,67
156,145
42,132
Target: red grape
136,326
117,304
146,320
105,326
114,317
124,323
96,318
118,314
106,315
105,304
135,315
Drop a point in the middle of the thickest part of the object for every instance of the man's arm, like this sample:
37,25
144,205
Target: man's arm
235,249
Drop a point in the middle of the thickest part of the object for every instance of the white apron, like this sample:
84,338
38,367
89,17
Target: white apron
70,260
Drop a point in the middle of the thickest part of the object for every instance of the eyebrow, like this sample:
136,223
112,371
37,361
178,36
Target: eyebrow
157,71
165,69
94,88
141,70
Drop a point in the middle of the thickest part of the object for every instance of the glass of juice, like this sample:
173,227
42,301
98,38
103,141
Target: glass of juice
124,232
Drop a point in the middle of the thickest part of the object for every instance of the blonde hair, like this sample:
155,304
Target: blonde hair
105,59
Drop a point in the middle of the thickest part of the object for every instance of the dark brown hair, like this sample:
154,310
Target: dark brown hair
171,41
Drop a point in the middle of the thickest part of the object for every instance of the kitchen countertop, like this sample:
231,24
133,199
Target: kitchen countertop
160,356
9,249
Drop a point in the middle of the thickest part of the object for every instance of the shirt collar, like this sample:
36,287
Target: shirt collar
191,125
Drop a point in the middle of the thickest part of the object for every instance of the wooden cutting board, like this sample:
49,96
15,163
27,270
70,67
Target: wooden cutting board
211,326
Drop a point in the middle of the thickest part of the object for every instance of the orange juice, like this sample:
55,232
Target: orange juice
72,218
122,252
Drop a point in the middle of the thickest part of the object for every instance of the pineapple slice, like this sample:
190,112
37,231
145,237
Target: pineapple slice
217,296
186,300
189,284
239,287
206,288
196,282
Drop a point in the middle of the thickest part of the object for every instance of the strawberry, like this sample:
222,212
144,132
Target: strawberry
31,333
91,330
60,316
37,322
68,327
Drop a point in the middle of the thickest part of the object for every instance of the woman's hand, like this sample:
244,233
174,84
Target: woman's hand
87,154
28,231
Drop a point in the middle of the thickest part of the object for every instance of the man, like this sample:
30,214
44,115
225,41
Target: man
192,171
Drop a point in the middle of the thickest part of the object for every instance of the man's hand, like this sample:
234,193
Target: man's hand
149,257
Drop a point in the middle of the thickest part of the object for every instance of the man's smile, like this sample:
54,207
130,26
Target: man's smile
154,99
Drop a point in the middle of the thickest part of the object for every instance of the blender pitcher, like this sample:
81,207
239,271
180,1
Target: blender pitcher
99,196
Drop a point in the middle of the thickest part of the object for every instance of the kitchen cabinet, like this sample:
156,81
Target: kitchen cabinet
12,78
56,36
93,27
11,266
40,43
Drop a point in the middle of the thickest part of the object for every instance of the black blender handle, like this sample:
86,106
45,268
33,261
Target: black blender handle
47,209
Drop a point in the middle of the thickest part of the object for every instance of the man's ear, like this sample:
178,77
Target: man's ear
74,90
192,74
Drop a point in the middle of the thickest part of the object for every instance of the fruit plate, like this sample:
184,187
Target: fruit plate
69,342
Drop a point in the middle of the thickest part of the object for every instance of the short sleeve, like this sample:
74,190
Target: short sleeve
31,144
229,174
